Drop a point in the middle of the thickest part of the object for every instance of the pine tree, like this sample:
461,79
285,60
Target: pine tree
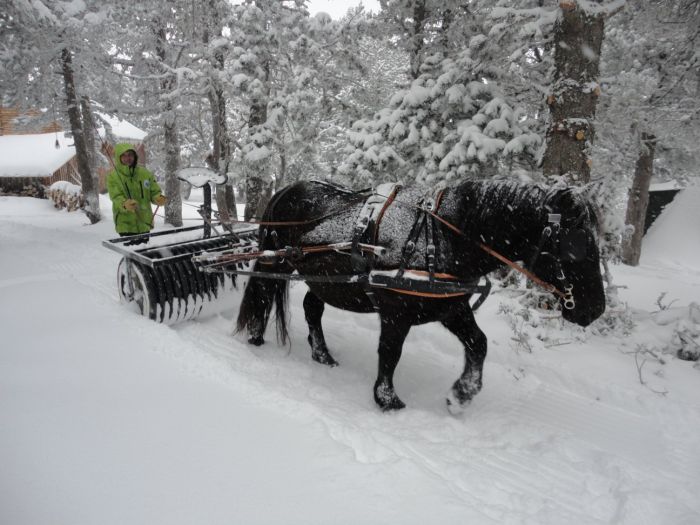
452,122
285,75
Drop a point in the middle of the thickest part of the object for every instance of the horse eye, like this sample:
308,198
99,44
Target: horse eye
573,245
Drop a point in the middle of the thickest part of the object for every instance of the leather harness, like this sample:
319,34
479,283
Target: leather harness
422,283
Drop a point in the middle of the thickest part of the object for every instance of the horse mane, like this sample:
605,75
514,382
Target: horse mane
487,200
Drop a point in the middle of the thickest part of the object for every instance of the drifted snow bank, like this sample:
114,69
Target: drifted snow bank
674,238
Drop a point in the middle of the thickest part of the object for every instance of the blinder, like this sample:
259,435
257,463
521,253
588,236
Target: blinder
573,245
567,245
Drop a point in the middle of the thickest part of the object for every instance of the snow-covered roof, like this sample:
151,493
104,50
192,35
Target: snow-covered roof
665,186
121,129
34,155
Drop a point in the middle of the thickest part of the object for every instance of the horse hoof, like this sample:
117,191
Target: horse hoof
462,392
325,359
395,404
454,406
256,340
387,399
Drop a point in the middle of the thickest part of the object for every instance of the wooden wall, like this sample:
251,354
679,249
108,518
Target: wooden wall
9,127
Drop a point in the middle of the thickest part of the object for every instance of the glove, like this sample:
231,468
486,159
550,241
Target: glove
160,200
130,205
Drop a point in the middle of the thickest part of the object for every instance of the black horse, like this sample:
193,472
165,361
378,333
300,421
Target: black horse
439,237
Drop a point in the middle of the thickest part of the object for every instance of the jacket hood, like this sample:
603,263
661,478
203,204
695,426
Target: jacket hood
119,150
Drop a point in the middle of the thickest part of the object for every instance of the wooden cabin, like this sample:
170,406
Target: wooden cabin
31,159
30,162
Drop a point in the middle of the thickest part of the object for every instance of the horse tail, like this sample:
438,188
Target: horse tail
262,293
258,299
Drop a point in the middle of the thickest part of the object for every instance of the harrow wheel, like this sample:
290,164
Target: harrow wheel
170,292
136,284
166,285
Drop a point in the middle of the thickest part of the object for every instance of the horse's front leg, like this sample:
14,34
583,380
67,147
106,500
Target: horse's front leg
463,325
393,333
313,311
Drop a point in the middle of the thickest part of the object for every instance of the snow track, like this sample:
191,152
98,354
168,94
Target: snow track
527,453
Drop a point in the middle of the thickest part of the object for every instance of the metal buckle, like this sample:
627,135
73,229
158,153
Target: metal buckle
569,302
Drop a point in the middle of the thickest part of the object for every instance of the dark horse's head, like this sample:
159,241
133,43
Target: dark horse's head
567,256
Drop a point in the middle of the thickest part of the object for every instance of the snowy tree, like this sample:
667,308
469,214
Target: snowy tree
287,72
257,31
453,121
425,28
358,89
409,20
323,88
167,53
43,39
441,129
221,155
650,72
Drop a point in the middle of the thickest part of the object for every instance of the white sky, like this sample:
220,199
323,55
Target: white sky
337,8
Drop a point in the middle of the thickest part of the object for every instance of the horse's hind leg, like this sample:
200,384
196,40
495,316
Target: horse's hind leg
313,311
463,325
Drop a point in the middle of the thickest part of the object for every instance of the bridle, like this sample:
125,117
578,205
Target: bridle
552,233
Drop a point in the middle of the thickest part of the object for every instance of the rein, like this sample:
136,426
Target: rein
291,223
547,286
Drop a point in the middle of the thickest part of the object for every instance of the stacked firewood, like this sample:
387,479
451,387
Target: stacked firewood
66,196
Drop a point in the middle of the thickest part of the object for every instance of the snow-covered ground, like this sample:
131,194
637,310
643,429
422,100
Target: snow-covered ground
109,418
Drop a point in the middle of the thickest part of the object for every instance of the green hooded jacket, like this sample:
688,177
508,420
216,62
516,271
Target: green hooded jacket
135,183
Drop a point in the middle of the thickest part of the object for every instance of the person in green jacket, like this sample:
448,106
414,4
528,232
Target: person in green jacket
132,189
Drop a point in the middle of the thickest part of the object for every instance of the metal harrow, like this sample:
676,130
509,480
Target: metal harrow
160,278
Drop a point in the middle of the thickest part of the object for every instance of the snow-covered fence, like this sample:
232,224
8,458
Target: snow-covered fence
66,195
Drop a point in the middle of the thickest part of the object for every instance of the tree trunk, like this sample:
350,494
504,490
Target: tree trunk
173,208
415,47
639,199
221,155
89,128
258,185
280,180
258,188
578,37
92,202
